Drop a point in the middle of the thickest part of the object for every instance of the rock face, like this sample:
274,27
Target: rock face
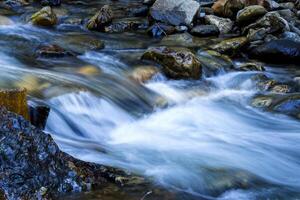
230,46
44,17
102,18
205,30
33,167
224,24
178,63
285,51
250,14
174,12
15,101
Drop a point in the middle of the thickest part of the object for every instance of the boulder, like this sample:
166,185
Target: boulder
38,113
224,25
177,63
250,14
101,19
250,66
205,30
15,100
174,12
282,50
33,167
230,46
271,22
44,17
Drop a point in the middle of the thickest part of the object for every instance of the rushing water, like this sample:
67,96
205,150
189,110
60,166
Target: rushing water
199,138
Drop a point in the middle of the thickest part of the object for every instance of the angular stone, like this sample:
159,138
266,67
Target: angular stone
225,25
44,17
174,12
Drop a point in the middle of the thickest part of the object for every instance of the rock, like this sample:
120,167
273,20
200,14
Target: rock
15,100
33,167
290,36
80,43
5,21
89,70
271,22
288,104
177,63
213,62
149,2
298,14
284,51
102,18
228,8
281,88
143,74
51,51
15,3
50,2
230,46
287,5
140,11
44,17
250,14
225,25
184,39
38,113
250,67
160,29
205,30
174,12
126,24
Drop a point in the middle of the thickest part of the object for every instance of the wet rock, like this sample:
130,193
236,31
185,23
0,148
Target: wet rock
281,88
228,8
149,2
15,3
290,36
288,104
250,67
143,74
257,34
287,5
50,2
174,12
213,62
160,29
126,25
140,11
177,63
15,100
285,51
38,113
102,18
230,46
5,21
250,14
51,51
271,22
44,17
224,25
205,30
33,167
184,39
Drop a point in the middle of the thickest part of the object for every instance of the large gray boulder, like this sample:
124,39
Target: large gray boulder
174,12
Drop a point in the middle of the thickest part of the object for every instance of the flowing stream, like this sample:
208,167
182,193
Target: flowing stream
199,138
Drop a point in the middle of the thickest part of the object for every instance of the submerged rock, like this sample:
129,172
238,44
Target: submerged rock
174,12
44,17
102,18
225,25
284,51
15,100
143,73
52,51
178,63
230,46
